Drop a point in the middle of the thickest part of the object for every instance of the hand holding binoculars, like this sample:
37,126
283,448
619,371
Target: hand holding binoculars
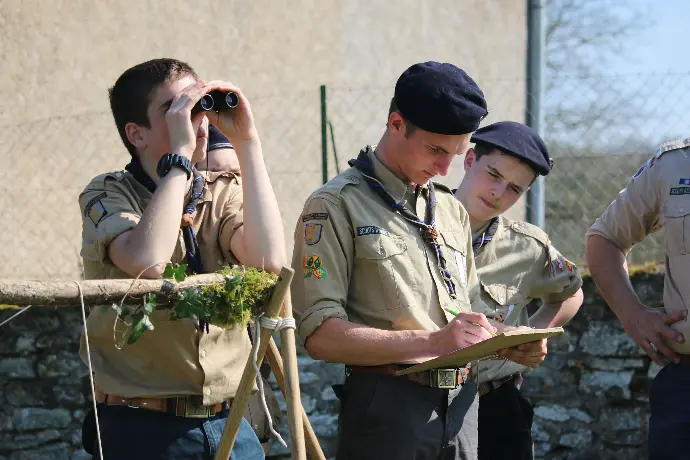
216,100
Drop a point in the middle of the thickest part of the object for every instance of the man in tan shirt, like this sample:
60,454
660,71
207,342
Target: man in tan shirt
658,196
382,256
164,396
516,264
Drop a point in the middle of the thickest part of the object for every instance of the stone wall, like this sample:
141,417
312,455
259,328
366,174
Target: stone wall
590,395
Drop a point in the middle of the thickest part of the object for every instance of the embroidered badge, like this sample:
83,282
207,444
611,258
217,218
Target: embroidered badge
684,182
315,216
556,264
371,230
680,191
312,233
461,260
313,267
95,210
644,166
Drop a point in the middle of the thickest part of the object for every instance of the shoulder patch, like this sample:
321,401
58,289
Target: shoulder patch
672,145
95,210
530,230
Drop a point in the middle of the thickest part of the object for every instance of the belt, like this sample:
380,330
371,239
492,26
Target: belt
487,387
186,406
446,379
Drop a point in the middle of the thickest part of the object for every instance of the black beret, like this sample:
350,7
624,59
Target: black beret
517,140
216,139
440,98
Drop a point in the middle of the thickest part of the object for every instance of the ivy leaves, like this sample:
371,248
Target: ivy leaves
175,272
227,304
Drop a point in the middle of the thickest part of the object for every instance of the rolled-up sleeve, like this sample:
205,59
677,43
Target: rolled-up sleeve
322,259
107,211
557,280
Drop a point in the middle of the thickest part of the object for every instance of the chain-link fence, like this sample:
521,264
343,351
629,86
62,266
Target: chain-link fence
599,131
598,139
49,162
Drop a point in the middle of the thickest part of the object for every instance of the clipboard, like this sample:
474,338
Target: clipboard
484,349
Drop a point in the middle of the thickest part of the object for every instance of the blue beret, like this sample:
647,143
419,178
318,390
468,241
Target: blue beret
517,140
216,139
440,98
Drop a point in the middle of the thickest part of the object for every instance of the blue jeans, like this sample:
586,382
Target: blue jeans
133,434
669,424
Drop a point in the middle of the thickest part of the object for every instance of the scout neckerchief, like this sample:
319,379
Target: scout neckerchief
429,234
190,241
480,241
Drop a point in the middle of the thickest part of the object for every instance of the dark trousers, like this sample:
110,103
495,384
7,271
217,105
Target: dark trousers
669,423
505,425
137,434
392,418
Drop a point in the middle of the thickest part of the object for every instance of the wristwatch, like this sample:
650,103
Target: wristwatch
170,160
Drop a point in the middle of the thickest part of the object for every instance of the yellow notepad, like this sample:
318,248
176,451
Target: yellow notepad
484,349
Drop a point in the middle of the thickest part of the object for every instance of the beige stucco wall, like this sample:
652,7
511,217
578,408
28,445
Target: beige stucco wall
59,57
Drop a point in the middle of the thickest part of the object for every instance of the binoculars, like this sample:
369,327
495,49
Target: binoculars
216,100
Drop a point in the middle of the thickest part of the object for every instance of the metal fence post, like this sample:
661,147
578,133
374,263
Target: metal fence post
535,50
324,136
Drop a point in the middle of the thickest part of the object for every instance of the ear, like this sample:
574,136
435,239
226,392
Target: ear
396,122
469,159
135,135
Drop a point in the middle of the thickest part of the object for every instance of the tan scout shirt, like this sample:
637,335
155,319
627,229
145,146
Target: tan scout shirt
517,266
357,259
658,196
174,359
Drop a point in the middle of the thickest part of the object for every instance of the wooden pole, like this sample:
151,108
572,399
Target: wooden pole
292,395
311,441
246,384
96,292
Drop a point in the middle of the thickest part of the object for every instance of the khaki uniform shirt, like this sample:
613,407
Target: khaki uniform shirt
173,359
658,196
519,265
357,259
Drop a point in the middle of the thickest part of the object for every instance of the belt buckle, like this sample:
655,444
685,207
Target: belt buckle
194,410
444,379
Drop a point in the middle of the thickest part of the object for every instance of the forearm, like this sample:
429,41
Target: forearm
154,238
557,314
608,267
341,341
263,236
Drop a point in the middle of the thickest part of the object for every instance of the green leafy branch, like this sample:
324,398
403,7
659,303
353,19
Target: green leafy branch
228,304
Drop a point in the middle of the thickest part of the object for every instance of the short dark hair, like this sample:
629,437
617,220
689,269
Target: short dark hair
131,94
482,148
410,127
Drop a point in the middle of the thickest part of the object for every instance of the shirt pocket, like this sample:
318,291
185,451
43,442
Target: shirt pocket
677,225
385,274
504,302
453,246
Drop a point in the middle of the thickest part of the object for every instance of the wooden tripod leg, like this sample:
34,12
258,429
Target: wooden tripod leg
311,441
244,390
291,390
